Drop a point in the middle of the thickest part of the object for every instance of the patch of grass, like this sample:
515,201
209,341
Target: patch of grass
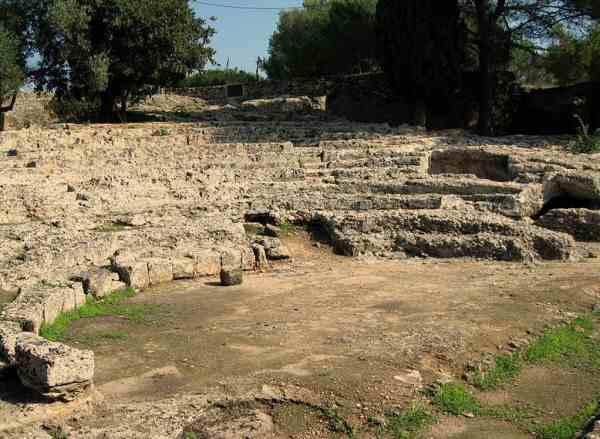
337,423
506,368
410,422
571,342
455,399
567,428
190,435
161,132
112,305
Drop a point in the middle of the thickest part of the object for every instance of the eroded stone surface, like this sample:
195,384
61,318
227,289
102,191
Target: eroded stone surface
54,370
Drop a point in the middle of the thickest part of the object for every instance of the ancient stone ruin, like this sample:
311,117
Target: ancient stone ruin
88,210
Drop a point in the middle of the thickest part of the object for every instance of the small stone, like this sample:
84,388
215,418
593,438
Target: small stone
271,230
70,188
32,164
230,277
12,153
468,415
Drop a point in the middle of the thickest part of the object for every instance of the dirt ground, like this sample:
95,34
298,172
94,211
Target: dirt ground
361,335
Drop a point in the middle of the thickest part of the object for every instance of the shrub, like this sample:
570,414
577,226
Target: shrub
214,77
586,142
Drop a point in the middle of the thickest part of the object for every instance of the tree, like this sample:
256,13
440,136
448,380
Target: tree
421,49
13,53
11,72
574,58
326,37
106,51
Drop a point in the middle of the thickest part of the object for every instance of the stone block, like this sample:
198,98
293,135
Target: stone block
54,370
131,271
184,268
206,262
230,277
260,256
27,309
160,270
278,253
98,282
8,340
231,258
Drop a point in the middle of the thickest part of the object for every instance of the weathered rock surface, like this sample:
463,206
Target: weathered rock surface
53,369
231,277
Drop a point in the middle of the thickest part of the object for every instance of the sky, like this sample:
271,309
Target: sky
242,35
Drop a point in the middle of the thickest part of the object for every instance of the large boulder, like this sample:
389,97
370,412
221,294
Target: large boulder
160,271
8,340
54,370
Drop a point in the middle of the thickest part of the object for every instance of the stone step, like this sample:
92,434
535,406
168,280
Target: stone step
320,200
387,230
437,185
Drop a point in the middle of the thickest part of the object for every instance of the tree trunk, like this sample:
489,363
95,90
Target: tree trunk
123,109
420,113
107,107
485,64
6,109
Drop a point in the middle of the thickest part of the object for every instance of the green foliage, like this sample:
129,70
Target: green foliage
505,369
574,57
337,423
11,68
586,143
111,305
327,37
571,342
410,422
455,399
104,51
567,428
161,132
213,77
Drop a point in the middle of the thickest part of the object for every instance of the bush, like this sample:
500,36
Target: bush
214,77
586,142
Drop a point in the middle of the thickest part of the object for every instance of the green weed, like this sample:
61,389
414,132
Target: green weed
571,342
586,142
505,369
567,428
337,423
412,420
455,399
111,305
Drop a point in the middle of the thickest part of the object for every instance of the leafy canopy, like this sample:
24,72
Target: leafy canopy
326,37
109,49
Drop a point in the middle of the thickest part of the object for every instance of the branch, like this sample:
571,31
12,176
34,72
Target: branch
12,104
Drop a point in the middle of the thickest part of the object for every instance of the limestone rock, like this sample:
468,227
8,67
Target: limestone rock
131,271
232,276
278,253
183,268
54,370
8,340
98,282
160,270
260,255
